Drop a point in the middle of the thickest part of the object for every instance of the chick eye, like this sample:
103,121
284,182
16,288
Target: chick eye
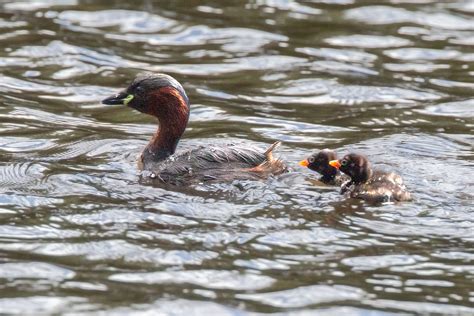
311,160
344,162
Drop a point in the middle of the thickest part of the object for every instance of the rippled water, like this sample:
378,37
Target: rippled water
80,233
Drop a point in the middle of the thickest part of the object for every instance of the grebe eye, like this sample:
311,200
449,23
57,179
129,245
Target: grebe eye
344,162
311,159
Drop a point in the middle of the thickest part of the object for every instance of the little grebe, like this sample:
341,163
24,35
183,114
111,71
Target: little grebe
319,162
163,97
368,184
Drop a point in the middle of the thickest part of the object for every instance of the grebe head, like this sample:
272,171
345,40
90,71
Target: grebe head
154,94
355,166
319,162
163,97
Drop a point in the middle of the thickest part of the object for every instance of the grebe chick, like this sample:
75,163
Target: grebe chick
368,184
319,162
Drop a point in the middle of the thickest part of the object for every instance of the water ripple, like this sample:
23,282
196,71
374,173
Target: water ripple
34,270
211,279
305,296
126,20
462,109
40,304
368,41
37,4
343,94
390,15
422,54
230,39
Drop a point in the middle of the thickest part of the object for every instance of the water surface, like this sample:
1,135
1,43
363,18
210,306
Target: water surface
79,231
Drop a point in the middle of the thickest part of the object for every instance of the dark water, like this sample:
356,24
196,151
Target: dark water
79,232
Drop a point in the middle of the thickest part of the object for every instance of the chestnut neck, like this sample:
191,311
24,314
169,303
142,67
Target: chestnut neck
172,112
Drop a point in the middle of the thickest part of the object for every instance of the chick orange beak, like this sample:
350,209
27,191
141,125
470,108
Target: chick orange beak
335,163
304,163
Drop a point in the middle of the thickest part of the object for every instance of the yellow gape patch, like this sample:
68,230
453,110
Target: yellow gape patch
128,99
